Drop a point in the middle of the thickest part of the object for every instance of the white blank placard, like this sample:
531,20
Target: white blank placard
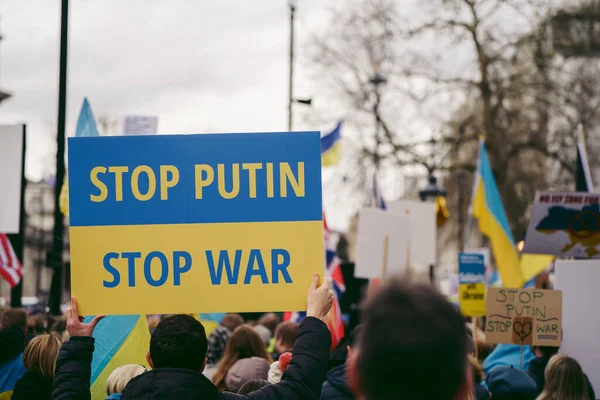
11,153
423,229
579,279
373,226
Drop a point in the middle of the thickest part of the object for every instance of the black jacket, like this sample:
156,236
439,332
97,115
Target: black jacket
33,385
302,379
537,369
335,387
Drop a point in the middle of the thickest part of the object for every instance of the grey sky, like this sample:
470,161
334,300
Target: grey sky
201,66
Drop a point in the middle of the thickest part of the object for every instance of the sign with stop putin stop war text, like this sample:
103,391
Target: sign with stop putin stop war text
195,223
524,316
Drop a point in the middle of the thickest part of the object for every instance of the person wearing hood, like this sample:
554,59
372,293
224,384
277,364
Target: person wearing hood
177,356
244,371
39,358
336,386
12,344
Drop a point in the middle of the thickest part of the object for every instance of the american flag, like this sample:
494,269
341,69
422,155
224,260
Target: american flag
334,320
10,267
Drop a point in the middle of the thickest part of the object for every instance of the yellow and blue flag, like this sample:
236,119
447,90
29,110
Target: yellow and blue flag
488,209
210,321
86,126
120,340
330,147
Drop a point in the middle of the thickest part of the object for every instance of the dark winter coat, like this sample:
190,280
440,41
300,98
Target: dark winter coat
33,385
335,387
302,379
12,343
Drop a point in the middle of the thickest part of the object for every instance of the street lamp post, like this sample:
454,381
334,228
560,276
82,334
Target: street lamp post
56,256
429,194
292,5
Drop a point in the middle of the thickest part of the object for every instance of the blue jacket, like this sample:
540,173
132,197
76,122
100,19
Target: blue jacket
335,387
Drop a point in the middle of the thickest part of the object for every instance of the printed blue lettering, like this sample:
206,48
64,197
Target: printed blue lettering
255,258
131,256
217,273
111,270
178,269
164,264
280,267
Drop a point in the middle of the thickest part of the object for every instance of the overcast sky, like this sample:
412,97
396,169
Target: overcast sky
201,66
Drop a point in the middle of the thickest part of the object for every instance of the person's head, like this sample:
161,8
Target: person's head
285,336
508,383
178,341
264,333
270,321
565,380
243,343
415,324
252,386
545,351
35,325
232,321
245,370
120,377
41,353
14,316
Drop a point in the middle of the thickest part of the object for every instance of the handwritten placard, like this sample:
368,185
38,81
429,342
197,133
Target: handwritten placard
524,316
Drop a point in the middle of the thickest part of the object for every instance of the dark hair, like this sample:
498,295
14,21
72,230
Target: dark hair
548,351
355,336
232,321
59,326
15,316
178,342
288,332
412,336
252,386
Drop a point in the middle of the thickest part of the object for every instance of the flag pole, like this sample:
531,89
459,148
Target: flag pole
470,213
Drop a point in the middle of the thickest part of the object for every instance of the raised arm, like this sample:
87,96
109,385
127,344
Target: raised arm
304,376
73,366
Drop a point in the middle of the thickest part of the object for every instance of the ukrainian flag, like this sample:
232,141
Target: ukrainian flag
488,209
210,321
120,340
86,126
330,147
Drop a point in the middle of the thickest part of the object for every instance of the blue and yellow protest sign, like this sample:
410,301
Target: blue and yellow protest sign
195,223
471,284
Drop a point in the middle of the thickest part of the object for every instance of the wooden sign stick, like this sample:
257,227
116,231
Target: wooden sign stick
386,241
521,351
474,325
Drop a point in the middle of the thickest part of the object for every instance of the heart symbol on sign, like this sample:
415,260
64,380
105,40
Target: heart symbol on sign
522,329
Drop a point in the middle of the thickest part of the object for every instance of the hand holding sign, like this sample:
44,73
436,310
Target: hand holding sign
320,299
75,325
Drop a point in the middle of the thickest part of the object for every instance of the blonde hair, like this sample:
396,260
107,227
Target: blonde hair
41,353
121,376
564,380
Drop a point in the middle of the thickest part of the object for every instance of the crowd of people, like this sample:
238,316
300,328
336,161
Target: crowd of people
411,344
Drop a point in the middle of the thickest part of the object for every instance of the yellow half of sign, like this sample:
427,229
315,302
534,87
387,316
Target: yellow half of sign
192,268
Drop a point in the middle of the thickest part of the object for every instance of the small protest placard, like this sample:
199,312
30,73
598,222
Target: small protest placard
524,316
471,284
382,244
168,224
422,228
565,225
